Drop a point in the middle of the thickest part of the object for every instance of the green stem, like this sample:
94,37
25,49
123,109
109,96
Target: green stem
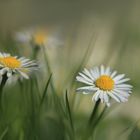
3,82
48,68
91,121
36,50
70,115
100,117
94,123
93,114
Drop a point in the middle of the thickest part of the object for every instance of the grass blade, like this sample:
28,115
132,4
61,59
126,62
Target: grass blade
4,133
45,91
69,111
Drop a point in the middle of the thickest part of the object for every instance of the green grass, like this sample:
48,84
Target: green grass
47,107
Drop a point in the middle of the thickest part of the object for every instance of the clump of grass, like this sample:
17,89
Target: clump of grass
35,109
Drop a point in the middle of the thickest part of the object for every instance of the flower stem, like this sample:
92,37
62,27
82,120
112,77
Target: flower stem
3,82
93,114
36,50
91,121
100,117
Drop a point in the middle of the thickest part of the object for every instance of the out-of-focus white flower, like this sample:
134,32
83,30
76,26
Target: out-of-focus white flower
23,37
104,84
11,65
39,37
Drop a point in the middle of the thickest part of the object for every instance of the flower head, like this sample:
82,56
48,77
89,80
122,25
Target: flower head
10,65
39,37
104,84
32,36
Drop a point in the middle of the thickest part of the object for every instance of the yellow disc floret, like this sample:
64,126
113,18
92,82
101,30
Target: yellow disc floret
39,38
10,62
105,82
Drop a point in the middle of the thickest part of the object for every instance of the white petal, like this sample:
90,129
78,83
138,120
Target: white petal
113,74
82,80
121,92
101,96
6,54
124,86
113,96
22,59
96,69
9,73
1,55
122,81
23,37
118,77
108,104
123,89
107,71
87,89
3,71
106,98
94,73
88,74
24,74
85,77
123,99
96,95
102,70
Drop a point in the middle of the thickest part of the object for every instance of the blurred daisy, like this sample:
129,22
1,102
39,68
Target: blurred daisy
104,84
35,37
11,65
39,37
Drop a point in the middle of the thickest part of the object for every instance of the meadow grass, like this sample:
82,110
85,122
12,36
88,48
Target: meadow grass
42,108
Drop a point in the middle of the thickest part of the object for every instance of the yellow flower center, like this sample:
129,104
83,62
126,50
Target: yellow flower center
105,82
39,38
10,62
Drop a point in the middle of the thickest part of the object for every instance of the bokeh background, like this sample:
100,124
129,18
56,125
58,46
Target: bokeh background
93,32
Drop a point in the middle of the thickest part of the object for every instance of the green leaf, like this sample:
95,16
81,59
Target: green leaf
4,133
69,111
135,134
45,90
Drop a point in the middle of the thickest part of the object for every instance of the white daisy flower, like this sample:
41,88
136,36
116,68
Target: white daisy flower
36,37
104,83
39,37
11,65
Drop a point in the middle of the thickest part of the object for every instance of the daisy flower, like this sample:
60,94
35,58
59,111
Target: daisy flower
35,37
104,84
11,65
39,37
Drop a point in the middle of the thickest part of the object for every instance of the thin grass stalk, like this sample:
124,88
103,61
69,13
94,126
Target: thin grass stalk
33,112
129,128
45,91
3,82
85,58
55,96
48,68
69,113
83,62
4,133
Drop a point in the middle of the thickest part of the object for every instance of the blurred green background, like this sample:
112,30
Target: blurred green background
94,32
